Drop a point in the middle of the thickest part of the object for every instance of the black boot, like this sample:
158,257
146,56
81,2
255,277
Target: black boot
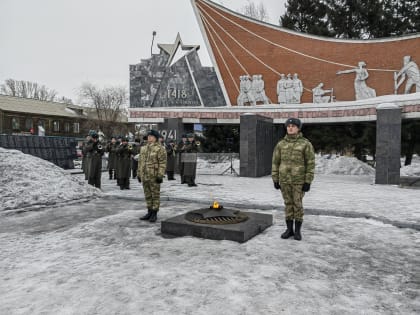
298,225
289,231
147,215
153,216
110,174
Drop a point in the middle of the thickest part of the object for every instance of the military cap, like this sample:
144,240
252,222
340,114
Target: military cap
125,139
293,121
190,135
94,135
154,133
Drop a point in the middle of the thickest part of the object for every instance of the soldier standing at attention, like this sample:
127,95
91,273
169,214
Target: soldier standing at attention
292,172
171,159
191,149
85,159
152,166
134,157
111,148
124,153
180,149
95,151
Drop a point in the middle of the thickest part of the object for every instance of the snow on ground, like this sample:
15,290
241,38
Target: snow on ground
96,257
26,181
341,165
413,169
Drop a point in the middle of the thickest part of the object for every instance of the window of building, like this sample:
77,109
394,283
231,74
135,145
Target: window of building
29,124
56,126
15,123
66,127
76,127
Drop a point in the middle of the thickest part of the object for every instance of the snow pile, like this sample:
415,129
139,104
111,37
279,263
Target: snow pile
341,165
217,164
413,169
26,181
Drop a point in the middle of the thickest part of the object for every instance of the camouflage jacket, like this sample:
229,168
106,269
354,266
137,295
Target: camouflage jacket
152,162
293,161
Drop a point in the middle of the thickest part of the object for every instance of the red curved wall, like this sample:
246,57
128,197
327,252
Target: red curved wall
384,54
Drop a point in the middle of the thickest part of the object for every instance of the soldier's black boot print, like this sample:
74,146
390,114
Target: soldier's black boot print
153,216
147,215
298,225
289,232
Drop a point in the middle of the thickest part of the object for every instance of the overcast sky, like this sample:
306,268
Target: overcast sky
62,43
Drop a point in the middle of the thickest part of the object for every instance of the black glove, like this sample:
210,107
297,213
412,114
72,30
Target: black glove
277,185
139,179
306,187
159,180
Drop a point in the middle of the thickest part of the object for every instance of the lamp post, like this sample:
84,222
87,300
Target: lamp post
151,47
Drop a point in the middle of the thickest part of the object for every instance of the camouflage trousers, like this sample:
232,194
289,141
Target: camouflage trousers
292,196
152,194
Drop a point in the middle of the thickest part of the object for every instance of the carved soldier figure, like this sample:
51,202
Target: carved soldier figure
297,89
245,93
281,89
288,85
258,89
409,70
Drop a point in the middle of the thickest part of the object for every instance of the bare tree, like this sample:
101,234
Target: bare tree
27,89
109,105
257,12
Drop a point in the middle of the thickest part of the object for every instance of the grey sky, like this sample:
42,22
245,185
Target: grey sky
61,43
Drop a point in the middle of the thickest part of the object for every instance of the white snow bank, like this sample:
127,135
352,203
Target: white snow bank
26,181
325,164
413,169
341,165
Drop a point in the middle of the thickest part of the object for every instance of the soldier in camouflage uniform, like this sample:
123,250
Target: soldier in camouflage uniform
152,166
292,172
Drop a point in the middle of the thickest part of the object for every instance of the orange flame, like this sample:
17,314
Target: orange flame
215,205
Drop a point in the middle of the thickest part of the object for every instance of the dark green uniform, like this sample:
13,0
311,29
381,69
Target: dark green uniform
170,160
293,165
111,148
152,166
180,150
190,161
95,151
124,152
85,160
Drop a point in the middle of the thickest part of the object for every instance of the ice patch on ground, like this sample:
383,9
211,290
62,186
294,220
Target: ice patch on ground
26,180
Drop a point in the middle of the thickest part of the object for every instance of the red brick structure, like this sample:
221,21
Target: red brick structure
240,45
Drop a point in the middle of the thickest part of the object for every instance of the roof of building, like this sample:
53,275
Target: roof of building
32,106
27,105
